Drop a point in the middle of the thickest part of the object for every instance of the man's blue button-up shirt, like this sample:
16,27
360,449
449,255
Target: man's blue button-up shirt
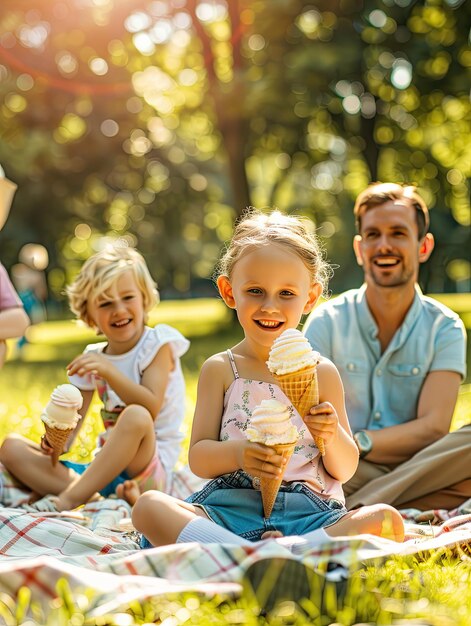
383,389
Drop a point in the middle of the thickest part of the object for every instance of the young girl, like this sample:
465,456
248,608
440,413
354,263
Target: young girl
271,274
138,377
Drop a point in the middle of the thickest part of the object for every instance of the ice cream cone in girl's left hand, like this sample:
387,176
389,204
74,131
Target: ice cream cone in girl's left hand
60,417
271,425
293,363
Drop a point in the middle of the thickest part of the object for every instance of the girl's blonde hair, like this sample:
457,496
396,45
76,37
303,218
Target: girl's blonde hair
101,271
257,228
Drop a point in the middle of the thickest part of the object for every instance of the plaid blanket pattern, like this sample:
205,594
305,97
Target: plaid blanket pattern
37,551
91,548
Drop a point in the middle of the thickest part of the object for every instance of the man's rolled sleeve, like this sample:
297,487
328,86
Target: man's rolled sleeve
450,347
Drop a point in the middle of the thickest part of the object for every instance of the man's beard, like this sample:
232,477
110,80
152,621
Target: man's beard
382,280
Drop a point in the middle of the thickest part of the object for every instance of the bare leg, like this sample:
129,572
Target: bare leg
130,447
377,519
161,518
33,469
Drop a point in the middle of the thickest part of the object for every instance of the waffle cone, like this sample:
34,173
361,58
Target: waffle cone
301,388
269,487
57,439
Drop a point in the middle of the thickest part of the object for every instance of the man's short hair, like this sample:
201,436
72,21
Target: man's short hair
377,194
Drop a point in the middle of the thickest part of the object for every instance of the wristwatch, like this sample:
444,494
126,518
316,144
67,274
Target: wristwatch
364,442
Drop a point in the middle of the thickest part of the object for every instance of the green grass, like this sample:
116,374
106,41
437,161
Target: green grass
413,590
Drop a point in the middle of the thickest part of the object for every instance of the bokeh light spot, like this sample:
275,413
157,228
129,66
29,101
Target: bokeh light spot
83,231
98,66
137,21
109,128
401,75
25,82
144,44
378,18
67,63
351,104
256,42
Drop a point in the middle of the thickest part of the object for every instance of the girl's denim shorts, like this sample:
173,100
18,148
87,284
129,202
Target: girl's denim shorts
232,502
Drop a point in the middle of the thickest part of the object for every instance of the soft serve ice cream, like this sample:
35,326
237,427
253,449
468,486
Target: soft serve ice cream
291,352
293,363
271,425
60,417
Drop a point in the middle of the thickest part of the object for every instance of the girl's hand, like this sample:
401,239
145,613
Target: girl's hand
259,460
322,421
45,447
89,363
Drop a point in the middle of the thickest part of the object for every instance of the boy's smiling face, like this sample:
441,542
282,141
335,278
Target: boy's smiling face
119,313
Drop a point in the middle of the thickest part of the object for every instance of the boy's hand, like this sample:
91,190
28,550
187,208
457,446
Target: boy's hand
322,421
45,447
89,363
259,460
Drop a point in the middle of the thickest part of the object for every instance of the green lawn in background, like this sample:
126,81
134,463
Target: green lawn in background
413,590
211,327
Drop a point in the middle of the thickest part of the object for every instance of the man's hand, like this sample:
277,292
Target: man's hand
322,421
259,460
91,363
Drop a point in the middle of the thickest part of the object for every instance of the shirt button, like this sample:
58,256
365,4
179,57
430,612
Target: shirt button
379,373
350,367
377,415
415,370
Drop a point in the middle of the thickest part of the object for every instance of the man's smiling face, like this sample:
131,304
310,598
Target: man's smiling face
388,247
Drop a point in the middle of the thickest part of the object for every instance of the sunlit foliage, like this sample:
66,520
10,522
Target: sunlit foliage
159,121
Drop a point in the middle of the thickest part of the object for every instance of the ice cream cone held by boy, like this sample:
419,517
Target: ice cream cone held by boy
60,417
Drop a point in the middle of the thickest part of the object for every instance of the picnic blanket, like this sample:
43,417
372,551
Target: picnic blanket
94,547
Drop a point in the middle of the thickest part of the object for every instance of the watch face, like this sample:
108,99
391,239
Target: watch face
364,442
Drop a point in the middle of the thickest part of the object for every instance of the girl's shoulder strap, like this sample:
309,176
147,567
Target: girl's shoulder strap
233,363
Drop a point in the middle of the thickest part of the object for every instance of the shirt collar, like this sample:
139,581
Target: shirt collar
365,318
411,316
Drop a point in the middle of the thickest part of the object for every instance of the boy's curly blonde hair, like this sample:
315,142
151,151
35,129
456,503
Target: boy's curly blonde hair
257,228
101,271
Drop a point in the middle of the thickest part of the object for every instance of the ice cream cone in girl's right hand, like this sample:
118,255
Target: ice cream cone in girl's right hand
271,425
293,363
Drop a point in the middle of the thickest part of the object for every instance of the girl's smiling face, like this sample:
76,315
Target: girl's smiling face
271,288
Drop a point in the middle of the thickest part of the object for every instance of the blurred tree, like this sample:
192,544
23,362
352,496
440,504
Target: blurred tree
160,121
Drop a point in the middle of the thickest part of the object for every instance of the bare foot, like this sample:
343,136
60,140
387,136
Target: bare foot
63,503
272,534
129,491
33,497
